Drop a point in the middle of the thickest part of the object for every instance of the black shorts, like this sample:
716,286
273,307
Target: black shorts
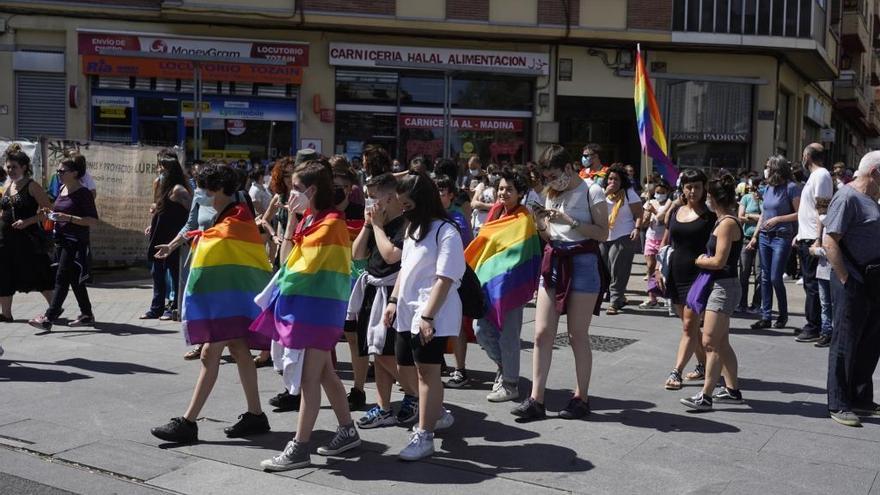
409,350
360,325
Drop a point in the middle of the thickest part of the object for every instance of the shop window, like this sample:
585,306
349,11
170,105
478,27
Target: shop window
736,16
111,122
422,90
158,132
354,130
157,107
507,93
366,87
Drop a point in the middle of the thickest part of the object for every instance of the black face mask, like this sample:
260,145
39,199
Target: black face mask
338,195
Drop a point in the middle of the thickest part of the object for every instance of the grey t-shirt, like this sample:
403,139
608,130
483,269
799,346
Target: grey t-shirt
856,218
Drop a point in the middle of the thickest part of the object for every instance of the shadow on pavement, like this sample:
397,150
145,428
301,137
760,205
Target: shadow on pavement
10,371
117,329
794,408
664,422
105,367
784,387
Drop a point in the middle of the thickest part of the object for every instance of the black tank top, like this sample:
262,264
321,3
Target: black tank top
730,268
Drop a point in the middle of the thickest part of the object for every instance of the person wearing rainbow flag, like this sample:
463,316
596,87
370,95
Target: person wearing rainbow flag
229,267
573,220
506,256
592,166
304,309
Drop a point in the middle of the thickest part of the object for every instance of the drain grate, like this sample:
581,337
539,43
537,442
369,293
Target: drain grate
601,343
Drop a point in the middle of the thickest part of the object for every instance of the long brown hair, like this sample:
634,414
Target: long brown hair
173,177
276,183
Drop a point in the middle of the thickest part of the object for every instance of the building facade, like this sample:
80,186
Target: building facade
737,80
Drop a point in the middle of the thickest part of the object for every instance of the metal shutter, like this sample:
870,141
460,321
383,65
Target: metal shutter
41,105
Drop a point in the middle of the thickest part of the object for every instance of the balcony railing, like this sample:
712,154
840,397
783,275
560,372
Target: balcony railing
851,95
854,31
787,18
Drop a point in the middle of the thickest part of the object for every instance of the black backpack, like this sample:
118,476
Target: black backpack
474,303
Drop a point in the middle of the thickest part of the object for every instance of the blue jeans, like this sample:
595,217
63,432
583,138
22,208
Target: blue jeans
774,250
160,270
502,347
825,303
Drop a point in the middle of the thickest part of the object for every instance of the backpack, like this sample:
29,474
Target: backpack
474,303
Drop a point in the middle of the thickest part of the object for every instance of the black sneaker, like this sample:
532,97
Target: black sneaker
285,402
346,438
781,322
872,409
807,336
576,409
761,324
357,399
178,430
700,402
409,409
457,379
248,424
824,341
726,395
530,409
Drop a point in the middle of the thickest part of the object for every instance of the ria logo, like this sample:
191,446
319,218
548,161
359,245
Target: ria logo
159,46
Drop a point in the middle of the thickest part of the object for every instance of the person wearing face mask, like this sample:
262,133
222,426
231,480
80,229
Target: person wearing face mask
380,244
624,220
655,212
24,246
483,198
749,213
592,166
170,214
573,221
473,175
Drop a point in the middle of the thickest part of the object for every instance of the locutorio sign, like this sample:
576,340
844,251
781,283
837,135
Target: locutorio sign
363,55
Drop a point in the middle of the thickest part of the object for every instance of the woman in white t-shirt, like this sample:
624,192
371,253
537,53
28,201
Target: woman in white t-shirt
624,221
655,211
573,221
425,302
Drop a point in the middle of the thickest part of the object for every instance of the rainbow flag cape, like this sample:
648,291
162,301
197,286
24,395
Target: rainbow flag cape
651,132
304,305
229,267
506,256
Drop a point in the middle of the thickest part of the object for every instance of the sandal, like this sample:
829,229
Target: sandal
194,353
699,373
673,382
262,363
149,315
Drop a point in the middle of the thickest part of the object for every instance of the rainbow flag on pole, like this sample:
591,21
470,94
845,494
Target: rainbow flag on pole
651,132
304,305
506,256
229,267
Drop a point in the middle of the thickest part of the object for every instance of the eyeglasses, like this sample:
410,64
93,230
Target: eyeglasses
61,171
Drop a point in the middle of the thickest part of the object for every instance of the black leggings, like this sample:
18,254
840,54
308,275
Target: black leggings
67,277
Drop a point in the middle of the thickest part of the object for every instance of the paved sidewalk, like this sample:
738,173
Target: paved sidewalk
77,406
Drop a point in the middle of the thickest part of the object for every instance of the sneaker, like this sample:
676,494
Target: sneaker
421,445
83,321
807,336
648,305
699,402
498,379
248,424
824,341
726,395
357,399
761,324
871,410
41,322
295,455
376,417
285,402
445,421
346,438
800,281
576,409
846,418
530,409
671,311
167,315
178,430
781,322
457,379
504,392
409,409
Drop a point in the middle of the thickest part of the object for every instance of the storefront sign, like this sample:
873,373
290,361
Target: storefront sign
827,135
236,127
180,47
721,137
112,113
99,65
360,55
815,110
462,123
284,111
113,101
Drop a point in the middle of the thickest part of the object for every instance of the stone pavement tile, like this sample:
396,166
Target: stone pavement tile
66,477
45,437
820,475
875,490
14,484
208,477
826,448
129,459
385,474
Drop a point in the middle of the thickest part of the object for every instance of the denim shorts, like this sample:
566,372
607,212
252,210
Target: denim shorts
585,274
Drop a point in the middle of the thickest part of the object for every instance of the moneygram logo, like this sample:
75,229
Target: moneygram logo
159,46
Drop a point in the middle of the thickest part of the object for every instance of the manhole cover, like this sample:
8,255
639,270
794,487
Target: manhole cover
601,343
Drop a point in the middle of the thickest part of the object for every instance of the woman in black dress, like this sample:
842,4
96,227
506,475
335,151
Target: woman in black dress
173,198
689,228
24,246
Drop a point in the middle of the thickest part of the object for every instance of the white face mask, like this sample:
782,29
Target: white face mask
494,177
561,183
661,197
474,172
299,202
369,203
766,173
586,161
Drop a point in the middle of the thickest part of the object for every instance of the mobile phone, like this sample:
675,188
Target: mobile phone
536,206
55,217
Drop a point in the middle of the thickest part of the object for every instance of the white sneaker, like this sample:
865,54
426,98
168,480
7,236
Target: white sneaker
421,445
800,281
445,421
503,393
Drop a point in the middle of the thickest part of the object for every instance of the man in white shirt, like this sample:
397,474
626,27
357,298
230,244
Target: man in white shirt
815,197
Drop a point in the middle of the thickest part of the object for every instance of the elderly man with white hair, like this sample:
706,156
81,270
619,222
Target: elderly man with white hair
852,242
